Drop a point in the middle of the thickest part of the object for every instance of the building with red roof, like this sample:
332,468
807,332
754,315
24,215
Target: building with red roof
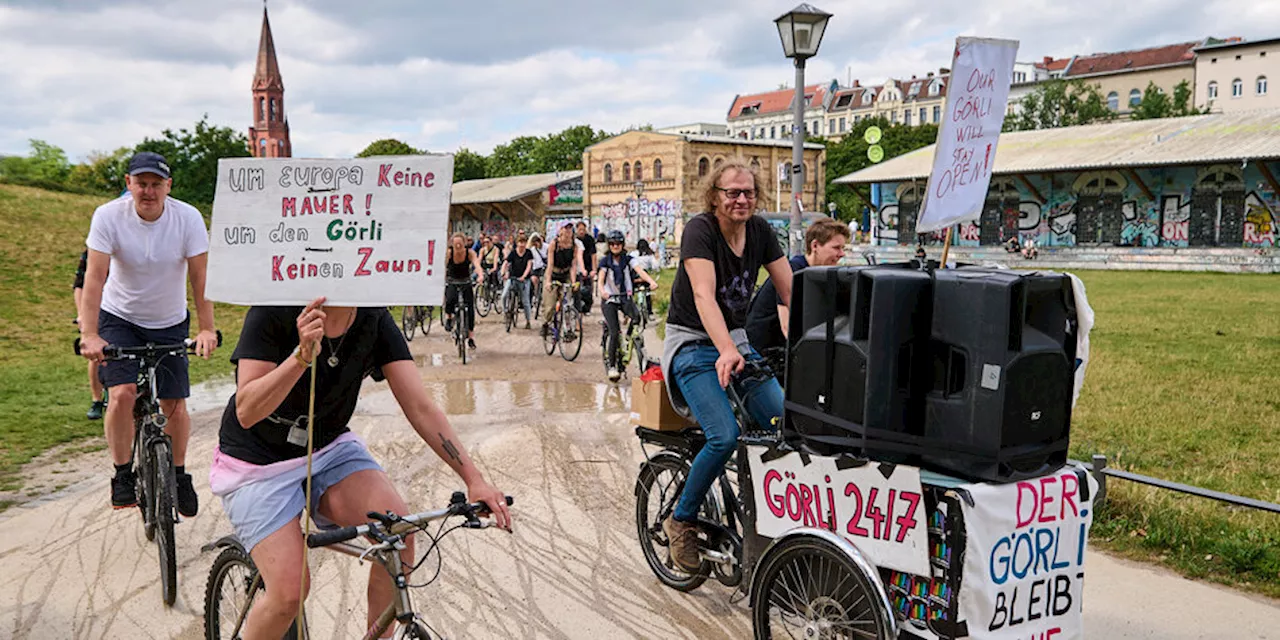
769,115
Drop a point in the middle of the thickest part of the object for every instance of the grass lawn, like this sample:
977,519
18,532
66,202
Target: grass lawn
1183,384
44,388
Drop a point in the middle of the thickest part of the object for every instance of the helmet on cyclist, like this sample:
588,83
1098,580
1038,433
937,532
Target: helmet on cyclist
617,236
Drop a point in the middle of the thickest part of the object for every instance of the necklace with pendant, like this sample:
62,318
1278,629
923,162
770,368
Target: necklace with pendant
333,351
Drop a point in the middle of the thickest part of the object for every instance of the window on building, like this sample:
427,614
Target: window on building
842,124
608,172
844,101
1019,76
1213,90
934,88
817,127
657,169
937,114
1237,88
893,116
762,132
831,127
773,132
626,172
924,115
906,117
717,163
1113,101
639,171
262,109
274,111
1261,86
1135,97
703,167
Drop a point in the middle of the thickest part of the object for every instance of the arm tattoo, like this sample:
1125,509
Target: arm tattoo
450,449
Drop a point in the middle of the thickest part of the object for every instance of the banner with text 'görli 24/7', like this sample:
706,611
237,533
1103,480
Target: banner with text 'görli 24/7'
361,232
966,151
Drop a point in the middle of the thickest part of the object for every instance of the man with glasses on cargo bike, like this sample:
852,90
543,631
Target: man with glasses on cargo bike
721,253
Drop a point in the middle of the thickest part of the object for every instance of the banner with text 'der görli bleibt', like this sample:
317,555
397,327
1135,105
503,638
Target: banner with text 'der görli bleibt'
966,151
361,232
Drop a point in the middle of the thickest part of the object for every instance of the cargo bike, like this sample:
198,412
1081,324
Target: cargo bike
837,529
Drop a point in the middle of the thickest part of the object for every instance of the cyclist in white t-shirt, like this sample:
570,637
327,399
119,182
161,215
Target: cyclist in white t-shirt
151,245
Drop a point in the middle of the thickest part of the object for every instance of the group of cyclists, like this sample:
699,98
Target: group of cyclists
152,245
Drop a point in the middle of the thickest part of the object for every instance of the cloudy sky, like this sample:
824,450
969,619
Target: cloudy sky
92,75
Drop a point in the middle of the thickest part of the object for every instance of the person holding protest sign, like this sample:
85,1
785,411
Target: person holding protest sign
260,465
459,262
151,244
721,253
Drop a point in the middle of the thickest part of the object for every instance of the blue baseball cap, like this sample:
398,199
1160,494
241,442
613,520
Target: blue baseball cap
149,162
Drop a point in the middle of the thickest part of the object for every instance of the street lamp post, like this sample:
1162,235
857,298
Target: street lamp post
801,32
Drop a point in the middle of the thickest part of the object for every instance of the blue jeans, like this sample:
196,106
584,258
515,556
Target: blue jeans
522,290
693,370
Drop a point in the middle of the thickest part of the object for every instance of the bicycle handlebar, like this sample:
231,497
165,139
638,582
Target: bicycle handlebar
123,353
396,525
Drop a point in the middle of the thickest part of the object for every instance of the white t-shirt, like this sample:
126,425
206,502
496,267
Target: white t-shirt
148,283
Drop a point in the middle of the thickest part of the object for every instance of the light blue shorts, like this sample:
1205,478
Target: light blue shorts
259,509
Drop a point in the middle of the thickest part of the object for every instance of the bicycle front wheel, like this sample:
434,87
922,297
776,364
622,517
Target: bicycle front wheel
484,301
426,319
571,333
408,321
233,586
164,485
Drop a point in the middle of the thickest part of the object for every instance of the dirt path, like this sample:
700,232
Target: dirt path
545,431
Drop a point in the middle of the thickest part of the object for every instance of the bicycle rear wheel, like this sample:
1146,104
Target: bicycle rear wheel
657,490
484,300
425,320
571,333
408,321
164,485
233,587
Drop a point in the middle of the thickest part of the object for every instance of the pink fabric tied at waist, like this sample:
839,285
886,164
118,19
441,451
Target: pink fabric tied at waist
229,473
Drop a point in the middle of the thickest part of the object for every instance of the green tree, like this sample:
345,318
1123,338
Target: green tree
102,172
515,158
563,151
850,154
193,157
46,163
388,147
468,165
1060,103
1158,104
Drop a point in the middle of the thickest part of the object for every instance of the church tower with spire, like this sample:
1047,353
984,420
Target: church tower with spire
269,135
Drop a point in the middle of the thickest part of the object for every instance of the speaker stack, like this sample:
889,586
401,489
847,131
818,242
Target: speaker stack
966,371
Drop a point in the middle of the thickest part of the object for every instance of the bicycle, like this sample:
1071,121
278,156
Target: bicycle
565,328
511,304
644,302
234,581
157,483
461,328
412,317
662,476
487,292
632,338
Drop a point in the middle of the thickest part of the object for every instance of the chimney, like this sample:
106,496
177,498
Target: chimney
1048,60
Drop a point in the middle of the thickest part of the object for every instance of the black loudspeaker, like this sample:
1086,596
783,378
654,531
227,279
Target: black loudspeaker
1004,348
859,353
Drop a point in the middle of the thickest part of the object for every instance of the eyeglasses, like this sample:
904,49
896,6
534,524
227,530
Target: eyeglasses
733,194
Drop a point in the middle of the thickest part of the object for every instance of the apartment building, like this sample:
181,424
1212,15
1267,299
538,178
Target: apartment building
1232,75
770,116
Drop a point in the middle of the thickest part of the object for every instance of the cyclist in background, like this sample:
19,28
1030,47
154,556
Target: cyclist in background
259,468
539,255
515,271
564,259
617,272
151,245
490,260
459,262
99,401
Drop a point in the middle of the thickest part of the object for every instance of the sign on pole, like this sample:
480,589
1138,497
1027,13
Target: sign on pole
361,232
966,151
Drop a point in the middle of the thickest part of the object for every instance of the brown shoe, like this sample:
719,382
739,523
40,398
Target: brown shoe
682,542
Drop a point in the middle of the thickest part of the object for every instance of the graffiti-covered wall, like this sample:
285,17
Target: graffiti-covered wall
1207,206
638,218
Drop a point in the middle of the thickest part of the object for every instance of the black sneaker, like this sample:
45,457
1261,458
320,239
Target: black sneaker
123,494
188,501
471,344
96,410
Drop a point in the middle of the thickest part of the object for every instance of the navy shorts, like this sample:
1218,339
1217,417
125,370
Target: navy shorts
172,381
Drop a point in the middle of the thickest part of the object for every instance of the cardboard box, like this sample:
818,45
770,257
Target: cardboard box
651,408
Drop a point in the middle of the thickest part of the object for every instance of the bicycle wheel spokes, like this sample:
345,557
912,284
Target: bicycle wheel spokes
408,321
164,487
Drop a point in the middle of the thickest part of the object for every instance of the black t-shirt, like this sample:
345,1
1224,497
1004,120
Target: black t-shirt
270,334
518,263
588,250
763,328
735,275
81,269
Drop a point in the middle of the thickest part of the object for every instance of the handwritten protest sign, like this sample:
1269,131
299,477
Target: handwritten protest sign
883,516
1024,557
966,152
362,232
